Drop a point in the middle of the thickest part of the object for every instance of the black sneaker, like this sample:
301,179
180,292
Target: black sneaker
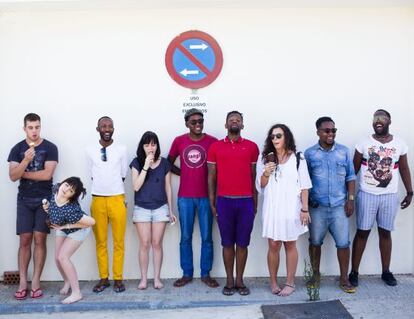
389,278
353,278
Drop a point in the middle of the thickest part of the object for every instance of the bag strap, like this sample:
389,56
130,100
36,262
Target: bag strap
298,158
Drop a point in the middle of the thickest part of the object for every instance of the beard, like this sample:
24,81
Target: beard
234,130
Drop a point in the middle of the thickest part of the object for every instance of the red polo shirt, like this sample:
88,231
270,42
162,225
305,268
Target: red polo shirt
233,160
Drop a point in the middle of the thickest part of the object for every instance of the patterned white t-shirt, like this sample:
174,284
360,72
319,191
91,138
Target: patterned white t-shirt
379,167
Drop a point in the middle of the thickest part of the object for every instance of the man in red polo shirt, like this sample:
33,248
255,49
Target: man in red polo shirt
231,174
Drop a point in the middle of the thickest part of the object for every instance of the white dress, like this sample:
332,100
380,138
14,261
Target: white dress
281,199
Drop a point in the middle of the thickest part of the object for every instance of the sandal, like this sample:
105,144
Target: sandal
243,290
36,293
287,290
101,285
211,282
228,291
348,288
119,286
182,281
21,294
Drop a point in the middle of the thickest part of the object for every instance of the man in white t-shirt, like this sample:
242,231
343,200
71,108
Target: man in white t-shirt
107,166
379,158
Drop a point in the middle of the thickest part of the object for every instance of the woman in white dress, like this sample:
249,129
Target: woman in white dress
283,179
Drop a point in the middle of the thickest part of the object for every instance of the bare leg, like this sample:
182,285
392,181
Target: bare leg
39,257
144,236
273,258
241,258
291,265
66,251
343,259
158,230
358,247
228,258
385,245
24,255
58,245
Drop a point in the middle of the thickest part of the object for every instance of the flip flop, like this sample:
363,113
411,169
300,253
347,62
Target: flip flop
36,293
101,285
211,282
243,290
21,294
228,291
349,289
180,282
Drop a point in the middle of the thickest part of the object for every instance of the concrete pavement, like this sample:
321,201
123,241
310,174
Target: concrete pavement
372,300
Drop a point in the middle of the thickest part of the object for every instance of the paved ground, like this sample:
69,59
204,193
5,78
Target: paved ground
373,300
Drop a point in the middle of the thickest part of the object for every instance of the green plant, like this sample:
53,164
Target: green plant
312,281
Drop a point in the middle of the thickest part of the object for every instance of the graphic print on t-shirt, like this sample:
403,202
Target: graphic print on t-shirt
194,156
380,165
38,162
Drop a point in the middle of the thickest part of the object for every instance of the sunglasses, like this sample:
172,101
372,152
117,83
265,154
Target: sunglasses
103,154
194,122
278,136
328,130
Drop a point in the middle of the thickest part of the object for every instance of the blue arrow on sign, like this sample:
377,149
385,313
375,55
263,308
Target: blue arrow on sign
194,59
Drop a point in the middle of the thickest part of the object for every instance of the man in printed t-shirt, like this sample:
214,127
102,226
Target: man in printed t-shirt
32,162
379,157
192,149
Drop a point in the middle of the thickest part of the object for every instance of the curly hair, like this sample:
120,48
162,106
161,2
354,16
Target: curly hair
289,141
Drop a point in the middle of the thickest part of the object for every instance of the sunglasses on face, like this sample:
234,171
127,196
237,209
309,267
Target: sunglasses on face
278,136
194,122
103,154
328,130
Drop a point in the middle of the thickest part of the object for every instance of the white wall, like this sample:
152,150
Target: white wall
280,65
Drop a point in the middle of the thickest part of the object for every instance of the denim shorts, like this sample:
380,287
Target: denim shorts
143,215
30,216
79,235
333,219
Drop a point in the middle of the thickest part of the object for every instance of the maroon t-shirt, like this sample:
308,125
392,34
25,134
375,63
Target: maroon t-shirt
193,156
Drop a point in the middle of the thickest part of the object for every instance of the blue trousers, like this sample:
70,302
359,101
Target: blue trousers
188,207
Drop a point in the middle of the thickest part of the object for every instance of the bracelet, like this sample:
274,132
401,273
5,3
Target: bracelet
410,193
67,226
145,170
304,211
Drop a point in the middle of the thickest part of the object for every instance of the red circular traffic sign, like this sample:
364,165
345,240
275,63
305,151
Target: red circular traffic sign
194,59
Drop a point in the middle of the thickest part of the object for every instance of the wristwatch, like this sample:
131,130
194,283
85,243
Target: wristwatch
351,197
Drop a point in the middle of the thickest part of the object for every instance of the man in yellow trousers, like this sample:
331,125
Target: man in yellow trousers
107,166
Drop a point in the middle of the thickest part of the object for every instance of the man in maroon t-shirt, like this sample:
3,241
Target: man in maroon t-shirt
192,149
233,199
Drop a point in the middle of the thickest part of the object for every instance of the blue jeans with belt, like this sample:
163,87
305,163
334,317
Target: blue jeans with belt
188,206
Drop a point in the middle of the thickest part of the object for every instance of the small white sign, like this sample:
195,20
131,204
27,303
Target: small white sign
194,100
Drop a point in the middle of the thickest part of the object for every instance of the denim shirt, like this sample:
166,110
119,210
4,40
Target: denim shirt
329,171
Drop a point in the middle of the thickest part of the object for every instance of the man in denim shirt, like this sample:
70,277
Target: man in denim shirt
331,198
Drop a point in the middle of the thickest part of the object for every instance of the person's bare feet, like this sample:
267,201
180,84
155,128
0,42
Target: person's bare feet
287,290
65,289
158,284
274,288
74,297
142,284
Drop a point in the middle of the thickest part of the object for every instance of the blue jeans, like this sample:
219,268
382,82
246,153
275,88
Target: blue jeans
187,207
329,218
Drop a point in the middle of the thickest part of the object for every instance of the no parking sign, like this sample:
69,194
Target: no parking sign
194,59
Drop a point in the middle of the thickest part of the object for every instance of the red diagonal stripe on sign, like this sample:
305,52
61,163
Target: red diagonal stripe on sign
193,59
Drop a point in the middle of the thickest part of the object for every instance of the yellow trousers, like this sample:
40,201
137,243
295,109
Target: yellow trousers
109,209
